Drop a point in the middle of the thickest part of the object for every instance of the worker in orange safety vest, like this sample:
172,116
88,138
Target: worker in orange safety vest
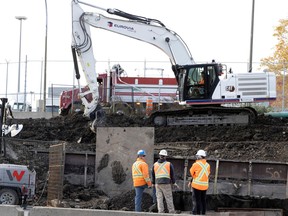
200,171
202,80
141,179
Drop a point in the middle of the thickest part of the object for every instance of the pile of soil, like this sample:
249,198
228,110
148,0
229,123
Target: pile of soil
266,140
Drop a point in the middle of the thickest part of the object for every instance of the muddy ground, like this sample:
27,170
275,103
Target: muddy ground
266,140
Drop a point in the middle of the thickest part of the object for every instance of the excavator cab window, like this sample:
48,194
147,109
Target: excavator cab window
195,82
201,81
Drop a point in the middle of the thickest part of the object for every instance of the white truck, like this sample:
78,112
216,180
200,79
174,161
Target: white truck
14,179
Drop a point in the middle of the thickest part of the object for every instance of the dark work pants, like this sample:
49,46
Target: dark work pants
193,203
200,197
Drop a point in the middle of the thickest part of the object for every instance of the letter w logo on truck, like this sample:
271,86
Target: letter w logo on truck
15,174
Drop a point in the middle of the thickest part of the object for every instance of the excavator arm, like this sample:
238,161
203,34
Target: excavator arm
144,29
82,47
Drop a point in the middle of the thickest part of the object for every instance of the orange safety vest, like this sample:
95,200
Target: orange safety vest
201,82
200,172
140,173
162,170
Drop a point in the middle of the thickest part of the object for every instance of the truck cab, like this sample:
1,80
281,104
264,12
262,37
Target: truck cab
12,180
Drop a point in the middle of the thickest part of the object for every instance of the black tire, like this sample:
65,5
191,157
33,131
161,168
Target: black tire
9,196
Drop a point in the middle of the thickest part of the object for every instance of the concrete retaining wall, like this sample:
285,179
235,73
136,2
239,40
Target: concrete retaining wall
34,115
11,210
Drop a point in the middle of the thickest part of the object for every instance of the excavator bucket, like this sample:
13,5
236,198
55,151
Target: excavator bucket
13,129
98,118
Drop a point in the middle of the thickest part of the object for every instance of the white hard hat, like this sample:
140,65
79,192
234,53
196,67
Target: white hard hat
201,153
163,152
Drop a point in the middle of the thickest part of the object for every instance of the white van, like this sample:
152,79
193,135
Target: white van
12,180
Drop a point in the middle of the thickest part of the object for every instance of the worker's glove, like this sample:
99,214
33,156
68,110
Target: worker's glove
189,184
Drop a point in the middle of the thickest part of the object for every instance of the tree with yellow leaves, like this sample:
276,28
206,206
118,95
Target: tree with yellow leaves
278,63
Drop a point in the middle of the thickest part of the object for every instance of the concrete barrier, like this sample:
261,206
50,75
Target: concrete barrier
34,115
11,210
49,211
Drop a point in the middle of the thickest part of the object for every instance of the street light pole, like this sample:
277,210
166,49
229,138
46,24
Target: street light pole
19,63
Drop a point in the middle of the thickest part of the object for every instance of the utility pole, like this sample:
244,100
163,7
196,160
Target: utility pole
45,59
251,39
283,88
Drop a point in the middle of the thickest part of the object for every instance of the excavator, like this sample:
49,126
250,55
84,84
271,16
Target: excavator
208,92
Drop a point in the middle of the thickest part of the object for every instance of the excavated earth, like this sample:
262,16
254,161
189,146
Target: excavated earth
266,140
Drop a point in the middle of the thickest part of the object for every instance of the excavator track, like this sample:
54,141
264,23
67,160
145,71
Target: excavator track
205,116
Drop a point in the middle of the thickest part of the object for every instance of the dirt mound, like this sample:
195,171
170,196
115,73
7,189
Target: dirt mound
127,200
264,140
74,127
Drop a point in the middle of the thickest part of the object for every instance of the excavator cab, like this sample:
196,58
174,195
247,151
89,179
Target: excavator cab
200,81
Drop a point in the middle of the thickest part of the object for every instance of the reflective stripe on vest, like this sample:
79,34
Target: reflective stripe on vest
162,170
136,172
204,170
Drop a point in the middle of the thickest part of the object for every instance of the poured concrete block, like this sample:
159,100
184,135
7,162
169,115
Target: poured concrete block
116,151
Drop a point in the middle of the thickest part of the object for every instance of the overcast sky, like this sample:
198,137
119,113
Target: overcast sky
212,29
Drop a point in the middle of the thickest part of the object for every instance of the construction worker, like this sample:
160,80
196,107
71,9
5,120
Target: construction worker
200,171
163,179
24,192
202,80
141,179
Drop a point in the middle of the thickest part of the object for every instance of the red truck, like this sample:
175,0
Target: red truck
129,90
